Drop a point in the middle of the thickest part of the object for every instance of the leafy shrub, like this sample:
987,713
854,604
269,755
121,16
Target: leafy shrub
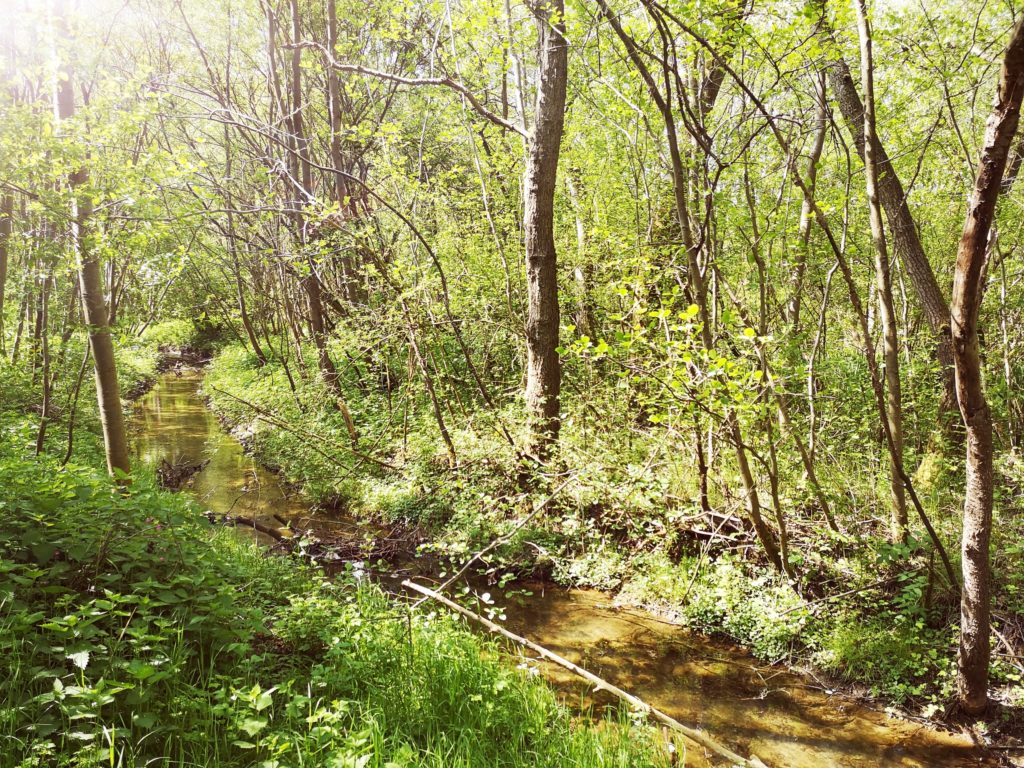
890,653
171,334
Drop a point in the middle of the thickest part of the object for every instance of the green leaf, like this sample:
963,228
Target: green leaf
263,701
80,659
252,725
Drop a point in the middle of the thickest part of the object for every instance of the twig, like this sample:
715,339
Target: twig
250,522
445,82
880,583
277,421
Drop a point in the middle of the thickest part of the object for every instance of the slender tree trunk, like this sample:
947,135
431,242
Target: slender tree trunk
243,309
428,381
72,409
543,368
311,282
773,488
968,289
90,277
702,466
764,532
352,290
806,217
44,354
6,228
42,284
585,323
890,344
26,298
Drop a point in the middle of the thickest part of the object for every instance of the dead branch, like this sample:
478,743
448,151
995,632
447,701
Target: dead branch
693,734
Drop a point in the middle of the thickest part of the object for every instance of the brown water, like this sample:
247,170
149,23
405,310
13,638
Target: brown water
786,719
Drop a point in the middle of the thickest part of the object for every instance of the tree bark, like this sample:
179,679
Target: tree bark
352,290
6,228
543,368
585,319
764,532
806,217
90,277
311,282
968,289
243,309
44,357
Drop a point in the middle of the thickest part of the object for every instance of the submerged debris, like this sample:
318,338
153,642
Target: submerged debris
324,546
178,474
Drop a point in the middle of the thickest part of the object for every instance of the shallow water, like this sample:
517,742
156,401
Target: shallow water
786,719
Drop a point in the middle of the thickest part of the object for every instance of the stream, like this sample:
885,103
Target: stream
788,719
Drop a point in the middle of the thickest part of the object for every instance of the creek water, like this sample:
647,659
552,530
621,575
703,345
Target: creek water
787,719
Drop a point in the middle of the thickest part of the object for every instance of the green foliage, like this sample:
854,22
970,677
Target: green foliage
612,532
891,653
179,334
196,228
723,597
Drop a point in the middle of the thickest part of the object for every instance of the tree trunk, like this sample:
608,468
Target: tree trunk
243,309
311,282
806,218
543,368
353,291
764,533
44,355
6,227
968,288
428,382
94,307
890,342
585,320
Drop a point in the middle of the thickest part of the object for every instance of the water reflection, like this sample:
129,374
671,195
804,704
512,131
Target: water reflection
782,717
172,422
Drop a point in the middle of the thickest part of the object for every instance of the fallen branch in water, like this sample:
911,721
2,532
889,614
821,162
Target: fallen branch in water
249,522
175,475
503,539
691,733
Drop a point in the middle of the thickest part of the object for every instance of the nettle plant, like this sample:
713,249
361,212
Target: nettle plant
107,601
